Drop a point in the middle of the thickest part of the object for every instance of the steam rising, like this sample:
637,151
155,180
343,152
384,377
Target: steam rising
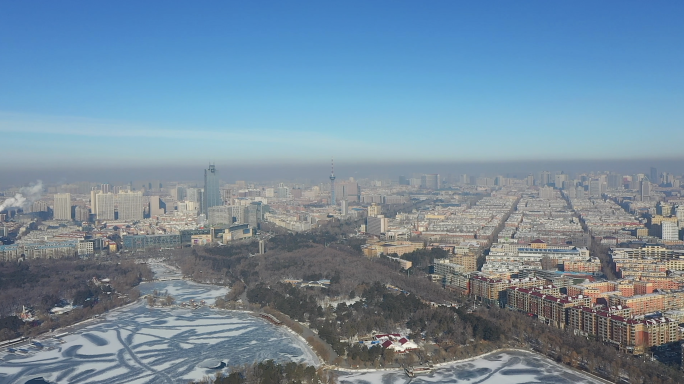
26,196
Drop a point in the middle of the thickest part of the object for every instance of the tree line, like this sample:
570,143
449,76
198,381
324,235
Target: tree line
42,284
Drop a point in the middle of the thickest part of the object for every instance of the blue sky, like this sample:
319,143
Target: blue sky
161,83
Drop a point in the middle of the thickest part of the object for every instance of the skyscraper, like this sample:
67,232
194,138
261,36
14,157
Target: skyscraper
62,209
653,178
212,194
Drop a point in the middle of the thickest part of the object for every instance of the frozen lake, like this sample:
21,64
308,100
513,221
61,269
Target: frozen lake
510,367
137,344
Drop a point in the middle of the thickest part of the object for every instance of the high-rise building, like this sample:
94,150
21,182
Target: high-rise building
180,193
670,231
104,203
645,190
344,207
93,200
81,214
545,178
130,205
62,210
157,206
39,206
615,181
347,190
430,181
559,179
653,178
212,193
595,188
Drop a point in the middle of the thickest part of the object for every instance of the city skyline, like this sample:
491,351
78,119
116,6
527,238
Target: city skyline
319,172
382,82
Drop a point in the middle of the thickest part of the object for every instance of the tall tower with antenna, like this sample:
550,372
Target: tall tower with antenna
332,182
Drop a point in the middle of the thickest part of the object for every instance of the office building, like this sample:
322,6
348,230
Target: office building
653,177
212,193
130,205
344,207
62,210
180,193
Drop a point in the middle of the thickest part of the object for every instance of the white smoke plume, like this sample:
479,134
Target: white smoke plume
26,196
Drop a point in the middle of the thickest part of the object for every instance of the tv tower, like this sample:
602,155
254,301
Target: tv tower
332,182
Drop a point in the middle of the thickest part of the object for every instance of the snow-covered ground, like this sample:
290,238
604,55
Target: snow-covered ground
137,344
510,367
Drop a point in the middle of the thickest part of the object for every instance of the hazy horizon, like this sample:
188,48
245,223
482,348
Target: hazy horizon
319,172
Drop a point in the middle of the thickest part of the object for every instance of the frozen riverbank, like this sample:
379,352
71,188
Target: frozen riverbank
138,344
505,367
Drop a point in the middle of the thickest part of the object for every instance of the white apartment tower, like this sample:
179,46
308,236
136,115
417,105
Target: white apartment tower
670,231
62,210
130,205
104,206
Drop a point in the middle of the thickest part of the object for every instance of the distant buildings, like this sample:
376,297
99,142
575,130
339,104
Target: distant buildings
430,181
376,225
104,206
670,231
62,210
130,205
374,210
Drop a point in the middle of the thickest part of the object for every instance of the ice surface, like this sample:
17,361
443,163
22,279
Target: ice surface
510,367
137,344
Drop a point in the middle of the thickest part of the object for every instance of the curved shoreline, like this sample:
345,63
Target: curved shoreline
472,358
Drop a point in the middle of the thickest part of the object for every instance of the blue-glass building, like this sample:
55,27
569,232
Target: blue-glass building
212,193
